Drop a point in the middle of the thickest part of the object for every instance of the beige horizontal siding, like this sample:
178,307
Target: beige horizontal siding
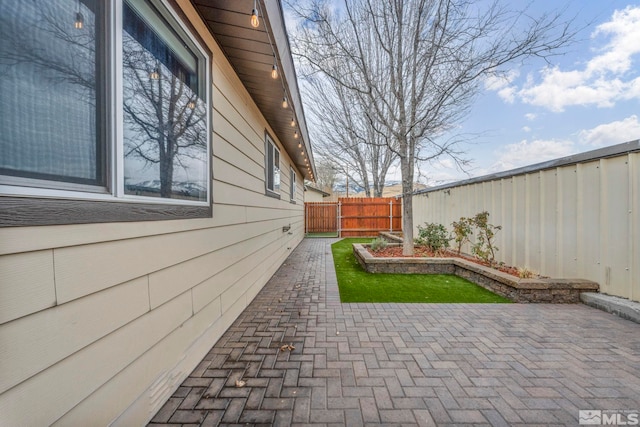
145,383
82,270
33,343
229,153
122,312
236,175
70,381
171,281
26,284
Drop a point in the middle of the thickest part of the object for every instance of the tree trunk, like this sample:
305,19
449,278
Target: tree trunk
166,176
407,207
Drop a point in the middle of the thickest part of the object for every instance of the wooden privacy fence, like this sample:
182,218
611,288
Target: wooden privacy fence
354,216
321,217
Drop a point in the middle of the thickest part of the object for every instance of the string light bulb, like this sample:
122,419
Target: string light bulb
255,21
79,24
293,122
274,70
285,102
299,144
295,135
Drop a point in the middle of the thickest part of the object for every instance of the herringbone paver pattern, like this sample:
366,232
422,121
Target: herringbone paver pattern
405,364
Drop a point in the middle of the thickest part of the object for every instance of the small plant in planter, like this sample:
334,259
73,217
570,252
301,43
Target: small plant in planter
378,244
433,236
525,273
485,247
461,232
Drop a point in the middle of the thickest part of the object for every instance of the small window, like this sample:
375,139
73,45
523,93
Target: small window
272,167
292,190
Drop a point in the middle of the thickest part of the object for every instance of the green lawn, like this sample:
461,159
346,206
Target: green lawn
330,234
356,285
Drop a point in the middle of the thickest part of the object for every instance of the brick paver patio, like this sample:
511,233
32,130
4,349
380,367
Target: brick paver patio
405,364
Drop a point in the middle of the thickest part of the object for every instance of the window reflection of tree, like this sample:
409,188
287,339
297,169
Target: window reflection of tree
40,44
165,118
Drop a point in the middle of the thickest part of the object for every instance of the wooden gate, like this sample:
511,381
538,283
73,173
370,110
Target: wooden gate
321,217
354,216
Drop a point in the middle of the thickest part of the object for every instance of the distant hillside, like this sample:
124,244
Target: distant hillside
390,190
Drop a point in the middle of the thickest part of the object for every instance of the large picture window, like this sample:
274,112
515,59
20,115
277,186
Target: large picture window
50,91
165,116
105,112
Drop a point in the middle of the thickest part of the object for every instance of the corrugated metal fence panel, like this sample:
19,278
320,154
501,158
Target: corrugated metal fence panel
573,221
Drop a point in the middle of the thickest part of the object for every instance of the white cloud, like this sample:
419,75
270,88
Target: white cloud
501,83
530,116
526,129
529,152
605,79
612,133
443,163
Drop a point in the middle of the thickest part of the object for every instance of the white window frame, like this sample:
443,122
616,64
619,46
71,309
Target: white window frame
292,189
272,169
113,126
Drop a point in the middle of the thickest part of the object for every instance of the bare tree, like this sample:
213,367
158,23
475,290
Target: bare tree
345,137
325,174
418,63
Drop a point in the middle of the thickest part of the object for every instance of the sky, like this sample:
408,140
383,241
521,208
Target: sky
584,99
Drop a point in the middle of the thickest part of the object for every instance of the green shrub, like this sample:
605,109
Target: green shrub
484,247
461,232
378,244
433,236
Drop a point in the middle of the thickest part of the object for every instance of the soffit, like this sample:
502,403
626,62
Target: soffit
251,53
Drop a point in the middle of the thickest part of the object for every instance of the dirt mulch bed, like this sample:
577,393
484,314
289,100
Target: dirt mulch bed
422,252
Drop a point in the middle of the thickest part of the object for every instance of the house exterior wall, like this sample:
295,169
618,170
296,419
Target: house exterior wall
313,196
578,220
105,320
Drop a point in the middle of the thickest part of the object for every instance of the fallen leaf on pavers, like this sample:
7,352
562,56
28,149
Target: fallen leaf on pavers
289,347
240,383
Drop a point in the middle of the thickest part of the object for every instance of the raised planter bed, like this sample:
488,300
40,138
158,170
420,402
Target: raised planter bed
541,290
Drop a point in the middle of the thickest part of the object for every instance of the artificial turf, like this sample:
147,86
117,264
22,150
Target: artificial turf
356,285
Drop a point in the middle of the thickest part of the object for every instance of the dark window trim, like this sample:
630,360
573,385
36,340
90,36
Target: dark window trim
26,211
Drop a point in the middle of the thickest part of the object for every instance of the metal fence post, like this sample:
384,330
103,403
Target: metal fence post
339,218
390,216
